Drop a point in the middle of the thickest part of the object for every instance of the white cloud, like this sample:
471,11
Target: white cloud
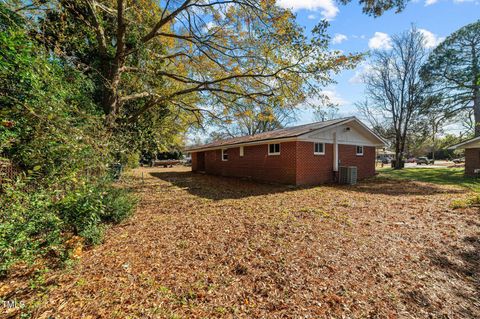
311,17
431,40
358,77
339,38
334,97
430,2
380,41
328,8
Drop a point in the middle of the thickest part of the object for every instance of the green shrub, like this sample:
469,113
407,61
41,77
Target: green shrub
81,211
119,204
35,225
85,210
29,227
132,160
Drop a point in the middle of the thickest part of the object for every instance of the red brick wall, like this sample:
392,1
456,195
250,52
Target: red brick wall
296,163
347,154
472,160
194,162
314,169
255,164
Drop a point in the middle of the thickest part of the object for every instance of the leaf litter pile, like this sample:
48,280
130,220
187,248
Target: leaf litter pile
202,246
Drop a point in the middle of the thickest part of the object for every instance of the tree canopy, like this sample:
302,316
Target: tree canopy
397,99
453,70
194,56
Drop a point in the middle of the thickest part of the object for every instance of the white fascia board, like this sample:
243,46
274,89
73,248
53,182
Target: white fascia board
330,141
472,143
262,142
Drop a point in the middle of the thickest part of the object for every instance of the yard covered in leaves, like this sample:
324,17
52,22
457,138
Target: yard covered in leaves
202,246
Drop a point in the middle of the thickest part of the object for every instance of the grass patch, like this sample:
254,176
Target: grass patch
442,176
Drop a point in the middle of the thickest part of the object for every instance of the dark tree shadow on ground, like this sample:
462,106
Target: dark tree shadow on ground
465,264
218,187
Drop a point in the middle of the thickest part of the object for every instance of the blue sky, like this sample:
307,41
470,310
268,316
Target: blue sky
357,32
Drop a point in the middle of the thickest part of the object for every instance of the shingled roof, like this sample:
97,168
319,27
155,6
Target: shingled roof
287,132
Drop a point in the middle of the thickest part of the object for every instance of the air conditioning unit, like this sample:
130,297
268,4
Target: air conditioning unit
347,175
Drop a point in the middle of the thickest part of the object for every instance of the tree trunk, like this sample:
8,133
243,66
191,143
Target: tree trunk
398,152
110,101
476,111
476,91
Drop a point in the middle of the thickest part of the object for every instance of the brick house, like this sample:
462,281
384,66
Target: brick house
301,155
472,155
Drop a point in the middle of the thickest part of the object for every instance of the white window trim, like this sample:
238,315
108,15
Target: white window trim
276,153
318,153
223,159
242,151
356,150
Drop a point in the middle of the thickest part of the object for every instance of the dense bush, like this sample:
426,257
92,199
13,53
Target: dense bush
29,227
54,134
34,225
86,209
130,160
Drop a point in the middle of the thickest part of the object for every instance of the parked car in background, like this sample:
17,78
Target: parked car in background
384,159
459,160
411,160
187,161
424,160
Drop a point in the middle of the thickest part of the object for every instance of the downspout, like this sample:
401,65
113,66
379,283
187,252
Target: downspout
335,152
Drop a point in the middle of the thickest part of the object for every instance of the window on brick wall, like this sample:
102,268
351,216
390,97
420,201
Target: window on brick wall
273,149
225,155
318,148
359,150
241,151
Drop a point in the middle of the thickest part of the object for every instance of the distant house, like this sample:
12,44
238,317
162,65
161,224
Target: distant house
472,155
299,155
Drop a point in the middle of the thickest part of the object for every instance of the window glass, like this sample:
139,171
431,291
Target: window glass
274,148
359,150
319,148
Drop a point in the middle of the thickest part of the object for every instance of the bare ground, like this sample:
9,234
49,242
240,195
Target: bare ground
209,247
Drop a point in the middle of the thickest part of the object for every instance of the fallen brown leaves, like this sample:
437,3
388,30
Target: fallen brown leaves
203,247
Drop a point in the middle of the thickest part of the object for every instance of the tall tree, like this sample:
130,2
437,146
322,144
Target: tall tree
250,119
188,54
397,98
453,70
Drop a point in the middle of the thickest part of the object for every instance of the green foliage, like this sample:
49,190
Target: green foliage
118,205
28,228
86,209
442,176
453,70
34,225
131,160
53,133
464,203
